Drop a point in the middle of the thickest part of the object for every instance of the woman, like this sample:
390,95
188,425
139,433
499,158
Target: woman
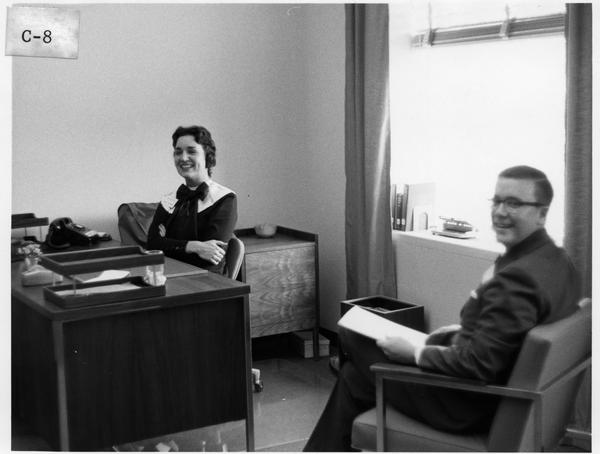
195,223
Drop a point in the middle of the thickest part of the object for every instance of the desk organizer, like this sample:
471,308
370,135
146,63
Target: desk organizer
406,314
24,220
79,294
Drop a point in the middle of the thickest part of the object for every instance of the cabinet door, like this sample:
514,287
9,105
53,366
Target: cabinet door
282,285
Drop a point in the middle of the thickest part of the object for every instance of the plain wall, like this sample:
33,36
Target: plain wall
266,79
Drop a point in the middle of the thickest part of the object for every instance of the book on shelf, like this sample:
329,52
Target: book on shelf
420,196
397,204
413,206
393,205
400,224
403,218
376,327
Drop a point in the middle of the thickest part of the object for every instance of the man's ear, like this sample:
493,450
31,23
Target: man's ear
543,214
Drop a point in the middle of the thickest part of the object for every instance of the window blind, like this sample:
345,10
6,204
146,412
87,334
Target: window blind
510,28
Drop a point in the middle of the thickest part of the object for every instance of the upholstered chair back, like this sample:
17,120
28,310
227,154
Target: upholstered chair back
549,352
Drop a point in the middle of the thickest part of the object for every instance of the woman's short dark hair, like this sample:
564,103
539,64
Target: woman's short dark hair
543,188
202,136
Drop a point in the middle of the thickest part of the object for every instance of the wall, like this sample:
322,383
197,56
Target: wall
266,79
439,272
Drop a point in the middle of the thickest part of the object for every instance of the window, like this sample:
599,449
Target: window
461,113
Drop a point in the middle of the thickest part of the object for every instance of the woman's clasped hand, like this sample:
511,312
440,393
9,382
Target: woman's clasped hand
212,250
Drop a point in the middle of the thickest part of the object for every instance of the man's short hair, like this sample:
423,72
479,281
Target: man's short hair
202,136
543,189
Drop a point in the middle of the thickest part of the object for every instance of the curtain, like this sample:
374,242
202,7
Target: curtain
578,166
369,253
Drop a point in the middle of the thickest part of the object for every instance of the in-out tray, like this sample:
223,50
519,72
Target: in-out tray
101,292
89,261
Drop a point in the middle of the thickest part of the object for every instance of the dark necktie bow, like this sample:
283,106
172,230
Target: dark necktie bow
186,211
185,194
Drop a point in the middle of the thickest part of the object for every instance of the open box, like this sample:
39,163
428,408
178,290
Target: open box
394,310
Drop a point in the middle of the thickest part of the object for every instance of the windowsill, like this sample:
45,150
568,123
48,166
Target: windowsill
473,247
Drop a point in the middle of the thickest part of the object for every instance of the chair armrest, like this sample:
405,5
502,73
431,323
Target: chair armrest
411,374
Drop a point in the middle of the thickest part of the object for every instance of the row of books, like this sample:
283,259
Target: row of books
412,206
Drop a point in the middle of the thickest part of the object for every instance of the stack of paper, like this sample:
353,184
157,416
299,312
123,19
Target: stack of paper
371,325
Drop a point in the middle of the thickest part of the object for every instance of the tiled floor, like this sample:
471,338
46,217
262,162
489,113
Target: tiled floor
295,392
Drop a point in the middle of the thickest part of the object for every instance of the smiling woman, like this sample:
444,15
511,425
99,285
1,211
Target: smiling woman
195,223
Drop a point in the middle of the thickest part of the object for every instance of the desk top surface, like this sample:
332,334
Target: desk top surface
186,284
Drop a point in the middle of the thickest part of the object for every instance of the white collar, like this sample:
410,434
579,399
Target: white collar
216,192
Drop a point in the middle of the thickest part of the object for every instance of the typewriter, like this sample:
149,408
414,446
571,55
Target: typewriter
455,228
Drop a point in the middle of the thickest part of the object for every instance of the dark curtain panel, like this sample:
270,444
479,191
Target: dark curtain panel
369,254
578,166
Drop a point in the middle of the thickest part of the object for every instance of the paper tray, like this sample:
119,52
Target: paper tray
89,261
103,292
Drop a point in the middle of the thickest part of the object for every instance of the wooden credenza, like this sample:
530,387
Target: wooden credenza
283,273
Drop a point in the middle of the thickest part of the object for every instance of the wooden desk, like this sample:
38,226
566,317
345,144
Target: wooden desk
89,378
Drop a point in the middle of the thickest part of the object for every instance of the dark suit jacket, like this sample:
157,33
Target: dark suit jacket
533,283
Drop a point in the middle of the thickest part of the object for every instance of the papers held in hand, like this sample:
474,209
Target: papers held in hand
371,325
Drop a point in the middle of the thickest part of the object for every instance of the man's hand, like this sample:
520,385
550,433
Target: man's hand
442,335
397,349
211,250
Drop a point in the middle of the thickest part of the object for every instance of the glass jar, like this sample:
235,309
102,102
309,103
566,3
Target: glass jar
155,274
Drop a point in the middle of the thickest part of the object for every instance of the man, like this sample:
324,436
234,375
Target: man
533,282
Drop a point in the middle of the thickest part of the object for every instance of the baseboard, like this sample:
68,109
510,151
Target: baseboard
581,439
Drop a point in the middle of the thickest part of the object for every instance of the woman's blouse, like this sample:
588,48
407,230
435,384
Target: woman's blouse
174,223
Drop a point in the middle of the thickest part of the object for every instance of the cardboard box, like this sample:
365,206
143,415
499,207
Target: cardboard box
395,310
302,343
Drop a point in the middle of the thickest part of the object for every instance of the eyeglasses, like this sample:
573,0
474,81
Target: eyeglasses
511,204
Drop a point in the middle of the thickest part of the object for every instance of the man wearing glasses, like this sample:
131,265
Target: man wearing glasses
533,282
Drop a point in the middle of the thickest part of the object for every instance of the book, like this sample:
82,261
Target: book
399,205
415,195
453,234
403,225
393,205
376,327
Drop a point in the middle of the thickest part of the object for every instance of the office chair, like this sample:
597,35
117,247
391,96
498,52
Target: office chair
134,220
234,257
536,403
